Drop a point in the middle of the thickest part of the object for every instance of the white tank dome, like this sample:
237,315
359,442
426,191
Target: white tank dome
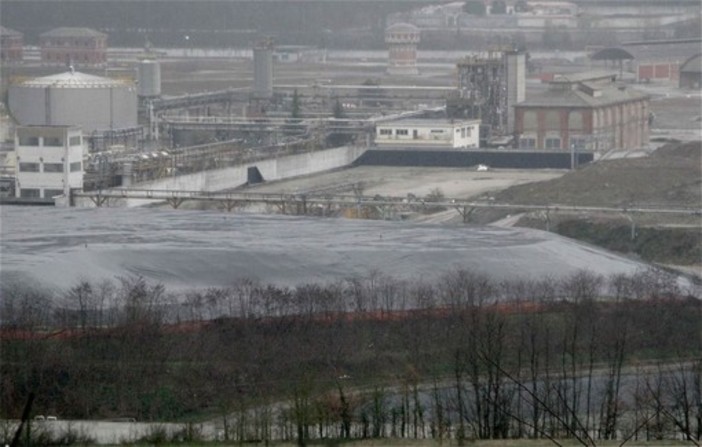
71,79
76,99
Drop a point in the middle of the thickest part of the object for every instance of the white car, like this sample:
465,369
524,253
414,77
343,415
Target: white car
483,168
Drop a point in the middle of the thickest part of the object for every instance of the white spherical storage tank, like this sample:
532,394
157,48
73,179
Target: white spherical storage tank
91,102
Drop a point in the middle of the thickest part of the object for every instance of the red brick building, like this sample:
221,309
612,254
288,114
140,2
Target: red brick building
587,112
11,44
77,46
650,61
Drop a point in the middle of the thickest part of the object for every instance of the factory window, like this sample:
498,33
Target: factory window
437,131
53,167
53,141
76,166
30,193
74,141
49,193
385,131
29,167
29,141
401,132
578,143
527,143
463,132
468,132
553,143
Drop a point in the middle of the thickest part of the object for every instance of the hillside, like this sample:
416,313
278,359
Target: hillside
671,178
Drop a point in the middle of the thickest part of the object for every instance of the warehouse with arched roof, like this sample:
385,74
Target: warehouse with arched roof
691,72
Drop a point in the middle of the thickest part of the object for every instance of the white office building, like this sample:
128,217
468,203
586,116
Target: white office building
428,133
49,161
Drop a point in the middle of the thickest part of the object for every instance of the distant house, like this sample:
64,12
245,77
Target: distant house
589,111
427,133
11,45
73,46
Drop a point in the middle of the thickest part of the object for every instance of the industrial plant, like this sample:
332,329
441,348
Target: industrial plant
142,124
421,222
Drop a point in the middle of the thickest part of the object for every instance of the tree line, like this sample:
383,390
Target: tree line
462,357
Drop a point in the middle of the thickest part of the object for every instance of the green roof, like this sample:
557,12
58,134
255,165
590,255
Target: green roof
73,32
9,32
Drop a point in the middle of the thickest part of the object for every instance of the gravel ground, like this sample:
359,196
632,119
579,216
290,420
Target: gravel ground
456,183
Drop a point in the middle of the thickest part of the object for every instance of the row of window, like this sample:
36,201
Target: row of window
530,143
35,193
48,141
48,167
465,131
552,143
405,36
63,57
397,132
88,43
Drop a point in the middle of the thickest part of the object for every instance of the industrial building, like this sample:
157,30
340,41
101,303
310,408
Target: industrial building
488,88
298,53
97,105
658,60
426,133
691,73
73,46
49,161
402,40
547,14
11,45
589,111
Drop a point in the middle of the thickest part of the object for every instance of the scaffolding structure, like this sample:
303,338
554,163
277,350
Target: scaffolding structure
488,86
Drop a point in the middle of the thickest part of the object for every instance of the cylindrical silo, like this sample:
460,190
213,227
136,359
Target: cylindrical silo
91,102
149,76
263,70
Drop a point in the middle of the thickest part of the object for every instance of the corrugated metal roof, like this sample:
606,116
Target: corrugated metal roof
653,51
566,97
665,51
428,122
692,65
73,32
612,54
72,80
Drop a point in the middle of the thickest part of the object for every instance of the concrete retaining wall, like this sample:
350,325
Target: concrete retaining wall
227,178
272,169
457,159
